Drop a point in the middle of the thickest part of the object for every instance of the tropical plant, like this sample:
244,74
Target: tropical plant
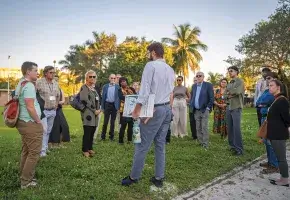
214,78
186,46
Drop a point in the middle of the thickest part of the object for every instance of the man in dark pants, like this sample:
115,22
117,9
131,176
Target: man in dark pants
192,119
110,105
235,97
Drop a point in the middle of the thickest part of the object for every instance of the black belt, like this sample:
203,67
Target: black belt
49,109
110,102
161,104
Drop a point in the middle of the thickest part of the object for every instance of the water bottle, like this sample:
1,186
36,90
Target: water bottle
136,132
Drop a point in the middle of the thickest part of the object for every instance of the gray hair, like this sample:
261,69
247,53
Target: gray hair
90,72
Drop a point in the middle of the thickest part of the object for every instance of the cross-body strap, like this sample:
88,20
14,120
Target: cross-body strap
275,101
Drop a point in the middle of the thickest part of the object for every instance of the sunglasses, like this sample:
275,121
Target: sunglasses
51,72
92,76
268,78
198,76
179,80
113,78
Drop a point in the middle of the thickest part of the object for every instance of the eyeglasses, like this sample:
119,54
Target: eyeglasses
198,76
92,76
268,78
179,80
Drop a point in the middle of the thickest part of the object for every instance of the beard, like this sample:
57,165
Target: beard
150,57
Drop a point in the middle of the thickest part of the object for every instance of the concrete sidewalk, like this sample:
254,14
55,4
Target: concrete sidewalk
241,183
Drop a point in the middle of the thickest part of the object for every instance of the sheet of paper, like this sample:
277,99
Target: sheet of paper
130,103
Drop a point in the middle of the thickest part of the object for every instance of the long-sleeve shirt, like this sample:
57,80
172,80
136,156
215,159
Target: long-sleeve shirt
260,88
265,101
235,94
157,78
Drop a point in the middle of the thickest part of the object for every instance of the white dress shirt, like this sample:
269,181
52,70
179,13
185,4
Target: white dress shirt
157,78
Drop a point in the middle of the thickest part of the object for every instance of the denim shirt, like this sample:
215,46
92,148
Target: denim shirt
266,99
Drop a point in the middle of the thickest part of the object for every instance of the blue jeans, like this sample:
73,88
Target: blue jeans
272,159
47,124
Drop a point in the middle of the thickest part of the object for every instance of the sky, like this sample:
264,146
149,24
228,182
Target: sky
42,31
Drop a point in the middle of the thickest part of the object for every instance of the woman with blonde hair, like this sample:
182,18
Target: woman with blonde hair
90,98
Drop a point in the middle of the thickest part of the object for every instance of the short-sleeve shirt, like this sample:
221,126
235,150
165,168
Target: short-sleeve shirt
28,91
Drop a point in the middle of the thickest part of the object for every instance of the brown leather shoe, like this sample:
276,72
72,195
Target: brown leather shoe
264,164
270,170
86,154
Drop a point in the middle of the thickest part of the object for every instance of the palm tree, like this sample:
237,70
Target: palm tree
186,46
214,78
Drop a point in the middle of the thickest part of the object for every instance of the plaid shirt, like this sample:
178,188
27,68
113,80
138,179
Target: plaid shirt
47,91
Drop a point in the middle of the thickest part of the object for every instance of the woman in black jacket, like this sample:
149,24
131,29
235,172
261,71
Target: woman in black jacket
277,130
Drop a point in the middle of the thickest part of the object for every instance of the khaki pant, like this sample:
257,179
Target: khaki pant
31,137
179,124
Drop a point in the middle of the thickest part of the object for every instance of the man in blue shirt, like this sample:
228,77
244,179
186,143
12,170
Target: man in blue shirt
110,105
201,102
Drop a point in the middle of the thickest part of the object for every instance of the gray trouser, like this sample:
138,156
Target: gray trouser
234,129
155,130
279,147
201,120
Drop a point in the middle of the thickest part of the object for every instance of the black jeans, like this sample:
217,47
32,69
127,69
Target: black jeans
110,110
124,121
88,138
192,125
168,135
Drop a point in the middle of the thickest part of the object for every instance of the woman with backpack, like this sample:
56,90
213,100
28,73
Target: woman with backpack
91,101
220,123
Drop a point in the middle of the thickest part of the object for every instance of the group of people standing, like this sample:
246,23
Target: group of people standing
41,120
271,101
226,101
40,102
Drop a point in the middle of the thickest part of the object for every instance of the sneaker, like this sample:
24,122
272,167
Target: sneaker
31,184
270,170
128,181
264,164
157,183
279,183
43,154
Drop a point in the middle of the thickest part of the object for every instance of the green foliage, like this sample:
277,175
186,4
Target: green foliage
214,78
66,174
12,83
186,46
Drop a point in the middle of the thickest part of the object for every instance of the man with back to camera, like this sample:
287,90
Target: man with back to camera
157,78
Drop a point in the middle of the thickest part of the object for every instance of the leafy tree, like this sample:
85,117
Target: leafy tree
269,42
214,78
186,46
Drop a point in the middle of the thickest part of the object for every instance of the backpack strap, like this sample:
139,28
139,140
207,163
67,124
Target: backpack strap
23,83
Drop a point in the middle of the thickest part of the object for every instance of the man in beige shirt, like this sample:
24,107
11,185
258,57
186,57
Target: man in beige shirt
48,90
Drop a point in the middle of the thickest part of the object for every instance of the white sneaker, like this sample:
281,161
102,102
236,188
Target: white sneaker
31,184
43,154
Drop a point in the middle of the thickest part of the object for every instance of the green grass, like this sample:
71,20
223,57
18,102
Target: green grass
65,174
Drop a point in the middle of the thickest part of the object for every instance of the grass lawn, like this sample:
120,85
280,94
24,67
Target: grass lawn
66,174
